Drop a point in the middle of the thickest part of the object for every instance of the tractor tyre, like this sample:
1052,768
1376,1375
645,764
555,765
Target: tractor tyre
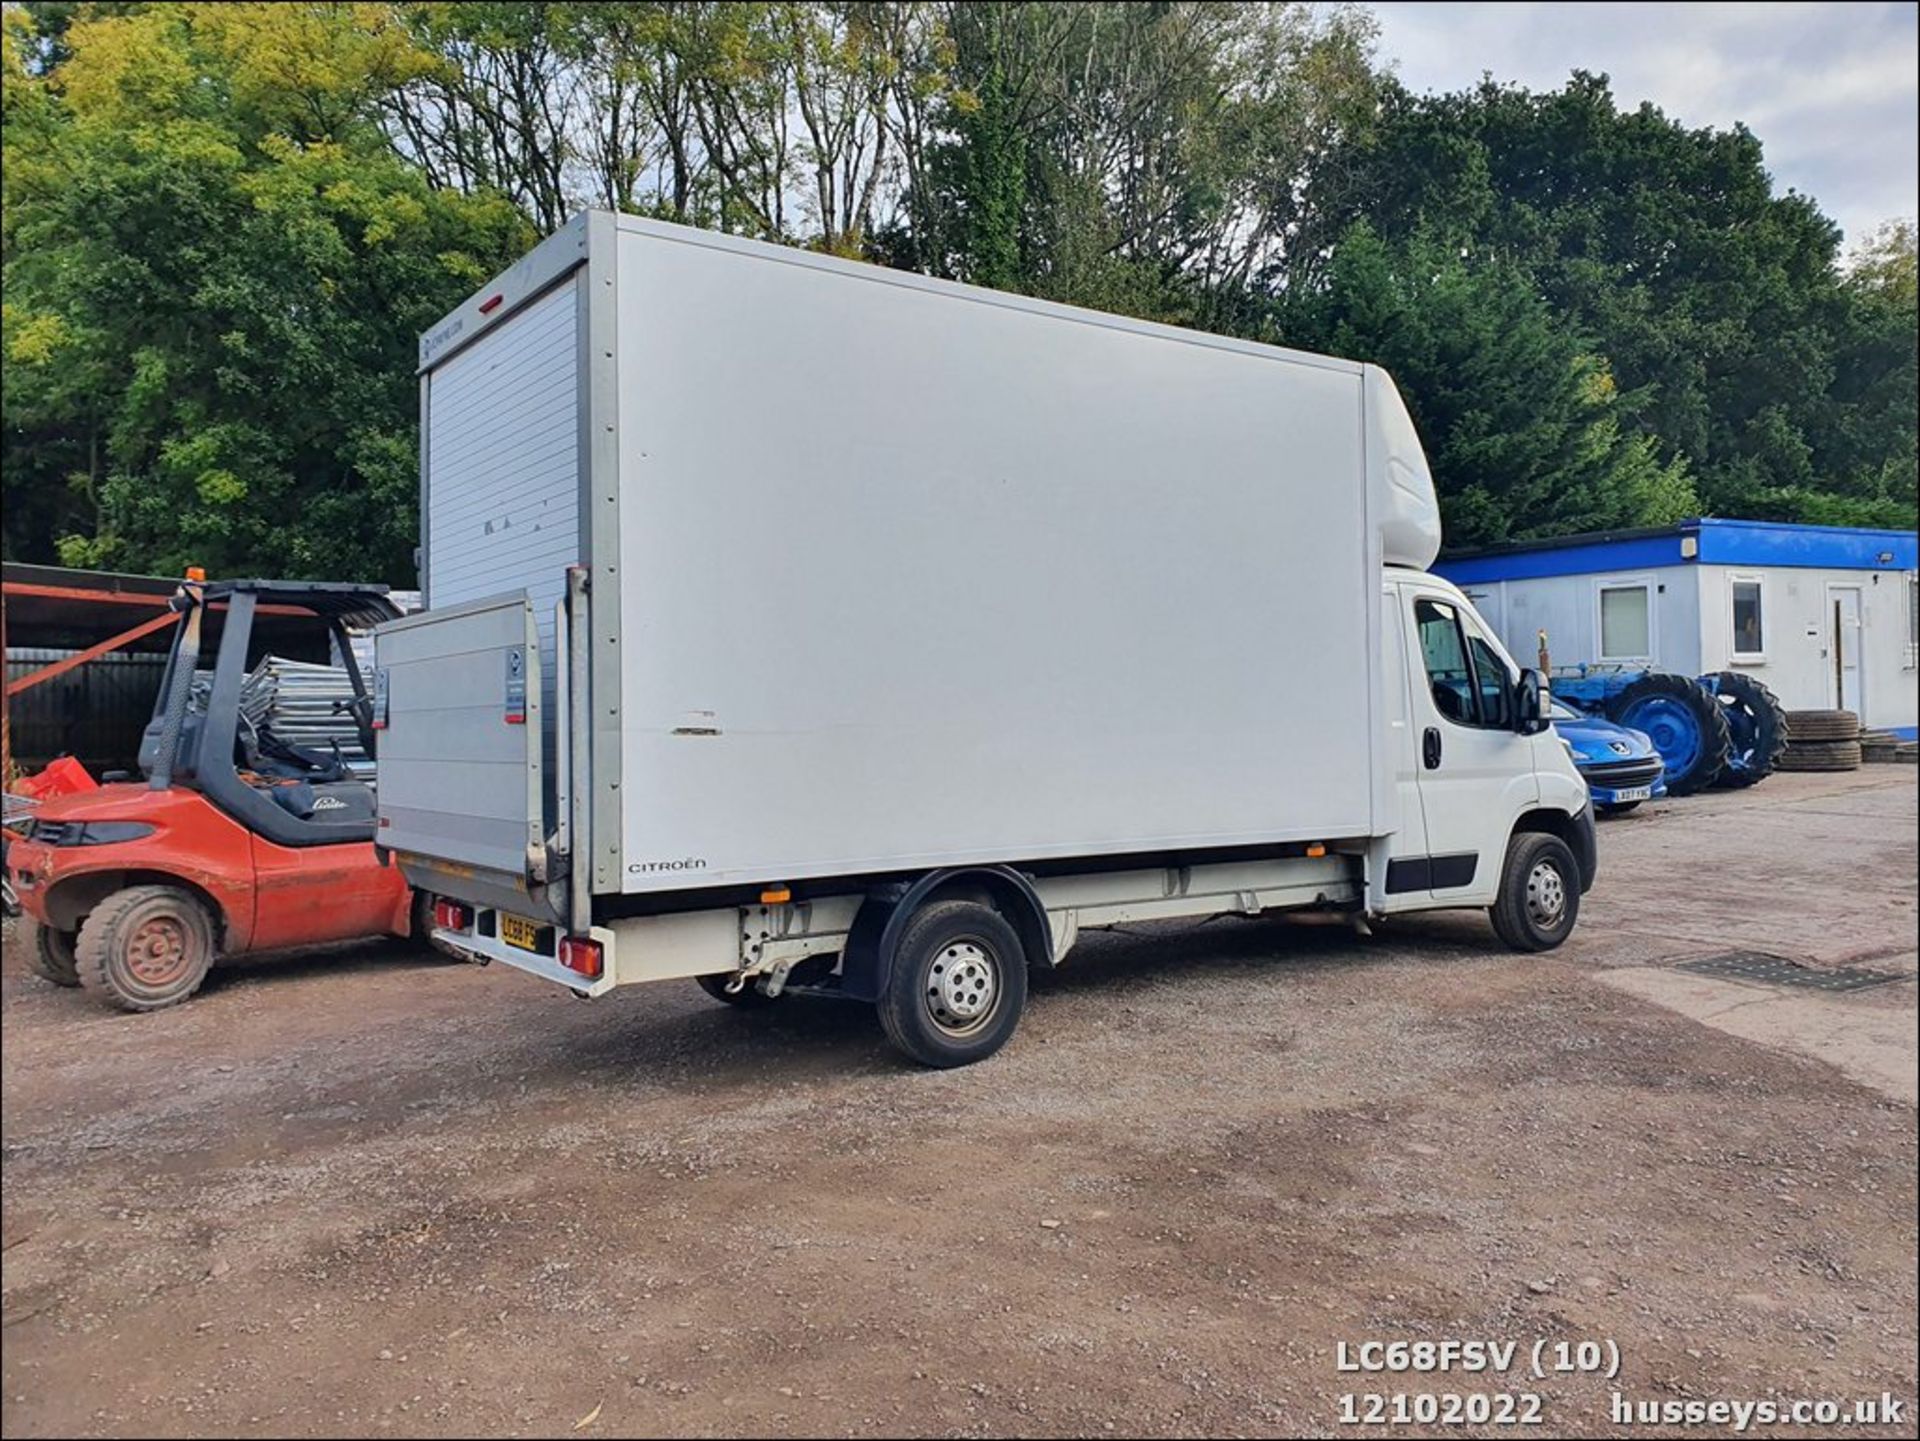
146,948
1757,723
50,953
1686,725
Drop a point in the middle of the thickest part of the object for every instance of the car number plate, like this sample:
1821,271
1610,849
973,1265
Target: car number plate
1634,793
516,931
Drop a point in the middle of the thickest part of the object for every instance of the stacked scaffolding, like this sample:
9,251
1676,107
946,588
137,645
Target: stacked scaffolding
306,705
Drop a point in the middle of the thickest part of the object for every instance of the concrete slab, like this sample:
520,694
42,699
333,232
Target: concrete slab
1869,1036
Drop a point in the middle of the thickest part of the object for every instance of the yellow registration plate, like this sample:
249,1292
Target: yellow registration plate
516,931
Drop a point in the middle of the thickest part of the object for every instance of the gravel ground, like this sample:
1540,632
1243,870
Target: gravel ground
368,1192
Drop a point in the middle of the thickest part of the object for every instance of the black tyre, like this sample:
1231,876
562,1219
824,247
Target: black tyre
1539,898
1619,808
1821,756
145,948
1822,725
1684,723
748,998
958,986
1756,724
50,953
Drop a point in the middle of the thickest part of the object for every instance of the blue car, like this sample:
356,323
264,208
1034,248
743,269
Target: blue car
1620,766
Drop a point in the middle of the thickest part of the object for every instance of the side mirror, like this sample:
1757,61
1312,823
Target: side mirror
1532,703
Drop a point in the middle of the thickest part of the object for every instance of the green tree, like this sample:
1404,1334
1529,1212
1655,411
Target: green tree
214,273
1870,424
1522,423
1718,303
1139,158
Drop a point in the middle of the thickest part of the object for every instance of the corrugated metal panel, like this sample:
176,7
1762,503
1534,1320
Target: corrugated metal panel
94,712
503,468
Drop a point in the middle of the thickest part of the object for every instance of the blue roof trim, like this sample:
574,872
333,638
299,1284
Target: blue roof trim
1721,542
1818,547
1643,553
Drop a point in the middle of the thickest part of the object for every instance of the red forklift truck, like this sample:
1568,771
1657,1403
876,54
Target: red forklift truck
236,840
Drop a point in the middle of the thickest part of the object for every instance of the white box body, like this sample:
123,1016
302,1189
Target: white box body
889,574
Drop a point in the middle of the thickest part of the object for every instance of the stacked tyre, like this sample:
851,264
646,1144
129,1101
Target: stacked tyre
1822,740
1756,724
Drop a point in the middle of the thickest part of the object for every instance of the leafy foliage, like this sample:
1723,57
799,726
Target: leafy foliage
1523,424
214,275
1734,336
224,225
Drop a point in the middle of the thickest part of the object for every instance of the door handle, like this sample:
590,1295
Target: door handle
1430,748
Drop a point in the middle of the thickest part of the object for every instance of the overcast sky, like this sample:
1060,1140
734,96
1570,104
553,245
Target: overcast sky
1833,91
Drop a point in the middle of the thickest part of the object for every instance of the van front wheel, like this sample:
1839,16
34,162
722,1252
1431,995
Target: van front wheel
1539,896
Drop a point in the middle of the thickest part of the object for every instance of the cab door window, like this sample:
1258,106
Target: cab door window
1492,685
1471,684
1443,647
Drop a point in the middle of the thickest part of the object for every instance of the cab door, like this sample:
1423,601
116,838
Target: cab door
1475,773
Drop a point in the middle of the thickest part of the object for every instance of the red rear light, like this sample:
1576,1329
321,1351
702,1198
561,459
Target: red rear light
450,916
581,956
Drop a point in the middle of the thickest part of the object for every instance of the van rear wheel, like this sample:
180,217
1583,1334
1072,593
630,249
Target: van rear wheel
1539,896
958,986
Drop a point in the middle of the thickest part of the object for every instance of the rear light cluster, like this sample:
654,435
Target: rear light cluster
451,916
580,956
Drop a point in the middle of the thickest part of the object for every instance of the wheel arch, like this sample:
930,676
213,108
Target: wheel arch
1576,830
69,900
883,916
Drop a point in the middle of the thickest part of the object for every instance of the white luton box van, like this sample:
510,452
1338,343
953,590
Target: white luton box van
795,624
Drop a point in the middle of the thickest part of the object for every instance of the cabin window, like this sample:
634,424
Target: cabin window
1626,621
1749,620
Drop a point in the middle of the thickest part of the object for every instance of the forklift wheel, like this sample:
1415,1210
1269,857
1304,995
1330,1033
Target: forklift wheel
51,955
145,947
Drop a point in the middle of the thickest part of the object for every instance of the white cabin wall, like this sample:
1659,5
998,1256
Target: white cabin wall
1567,607
1796,612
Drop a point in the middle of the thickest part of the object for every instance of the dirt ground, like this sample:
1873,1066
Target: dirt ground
372,1193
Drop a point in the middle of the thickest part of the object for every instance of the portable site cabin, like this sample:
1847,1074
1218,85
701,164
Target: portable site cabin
1827,616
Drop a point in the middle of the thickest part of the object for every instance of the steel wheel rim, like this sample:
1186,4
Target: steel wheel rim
963,987
1546,894
157,951
1673,729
